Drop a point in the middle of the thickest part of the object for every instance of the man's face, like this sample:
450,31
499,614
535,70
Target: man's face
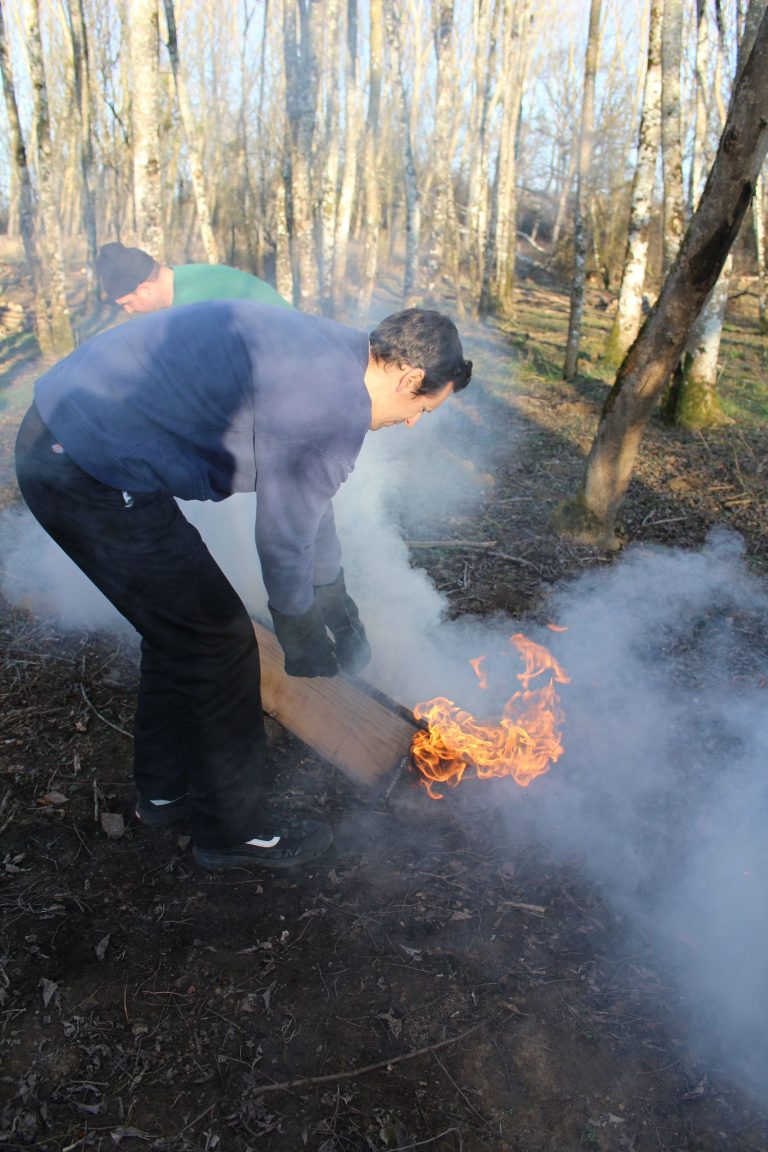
402,405
144,298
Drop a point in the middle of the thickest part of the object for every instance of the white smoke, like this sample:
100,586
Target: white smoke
662,788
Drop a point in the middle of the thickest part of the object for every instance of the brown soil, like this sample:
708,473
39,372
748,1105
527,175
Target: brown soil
432,982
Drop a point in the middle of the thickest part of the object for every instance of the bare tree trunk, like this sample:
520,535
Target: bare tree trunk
671,146
442,199
693,402
253,229
328,120
144,70
628,317
49,232
20,169
301,99
700,119
352,122
411,286
591,514
758,218
84,103
486,23
581,226
372,222
191,134
283,265
497,293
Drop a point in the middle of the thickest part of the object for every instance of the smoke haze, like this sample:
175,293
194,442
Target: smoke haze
662,787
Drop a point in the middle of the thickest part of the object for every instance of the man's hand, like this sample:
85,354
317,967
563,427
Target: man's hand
340,613
304,640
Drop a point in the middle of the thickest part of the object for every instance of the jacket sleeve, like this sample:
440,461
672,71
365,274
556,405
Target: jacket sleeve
295,530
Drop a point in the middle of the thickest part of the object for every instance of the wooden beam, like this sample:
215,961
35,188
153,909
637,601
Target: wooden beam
346,721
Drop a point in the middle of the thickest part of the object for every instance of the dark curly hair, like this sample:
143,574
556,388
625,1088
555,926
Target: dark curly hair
423,339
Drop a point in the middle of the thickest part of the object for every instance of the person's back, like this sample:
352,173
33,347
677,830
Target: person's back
193,283
139,284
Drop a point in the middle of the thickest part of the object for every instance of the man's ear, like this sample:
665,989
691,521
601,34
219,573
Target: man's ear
411,379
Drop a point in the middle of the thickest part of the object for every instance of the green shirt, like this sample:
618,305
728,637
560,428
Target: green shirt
193,283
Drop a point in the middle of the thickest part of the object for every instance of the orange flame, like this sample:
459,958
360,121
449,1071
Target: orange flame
523,744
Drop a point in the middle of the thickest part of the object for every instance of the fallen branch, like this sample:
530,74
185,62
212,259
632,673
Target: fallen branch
103,719
285,1085
451,543
536,909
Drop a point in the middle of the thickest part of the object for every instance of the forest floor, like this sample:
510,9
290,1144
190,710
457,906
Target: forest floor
429,984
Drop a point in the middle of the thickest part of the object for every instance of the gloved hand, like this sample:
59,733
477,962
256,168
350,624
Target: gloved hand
304,640
343,619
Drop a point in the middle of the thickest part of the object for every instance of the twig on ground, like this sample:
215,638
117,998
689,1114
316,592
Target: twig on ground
103,719
348,1074
536,909
517,560
451,543
461,1092
431,1140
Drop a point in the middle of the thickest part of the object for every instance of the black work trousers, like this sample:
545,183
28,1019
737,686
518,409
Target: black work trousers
199,724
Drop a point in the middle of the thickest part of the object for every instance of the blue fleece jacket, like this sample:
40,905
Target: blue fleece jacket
224,396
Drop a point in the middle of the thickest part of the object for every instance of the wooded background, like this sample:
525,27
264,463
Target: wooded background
322,144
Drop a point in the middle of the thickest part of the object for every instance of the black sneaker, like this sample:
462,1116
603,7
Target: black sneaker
162,815
294,843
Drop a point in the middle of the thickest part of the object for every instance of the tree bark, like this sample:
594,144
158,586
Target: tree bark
411,283
84,104
442,199
20,168
210,244
349,175
758,218
671,146
591,515
144,40
301,99
582,221
53,276
693,402
370,174
626,324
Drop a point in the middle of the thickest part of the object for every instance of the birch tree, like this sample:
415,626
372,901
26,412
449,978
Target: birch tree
582,221
671,145
349,176
144,78
693,401
301,102
486,16
628,317
84,109
442,199
51,268
18,155
397,36
497,293
371,160
591,515
190,133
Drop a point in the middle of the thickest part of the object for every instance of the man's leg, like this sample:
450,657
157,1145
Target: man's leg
199,722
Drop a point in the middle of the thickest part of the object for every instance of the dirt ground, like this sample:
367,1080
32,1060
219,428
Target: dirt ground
432,983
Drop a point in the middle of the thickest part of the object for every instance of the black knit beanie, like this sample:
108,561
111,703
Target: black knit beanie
122,269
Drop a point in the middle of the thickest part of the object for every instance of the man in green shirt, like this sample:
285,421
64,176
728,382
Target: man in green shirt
136,282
